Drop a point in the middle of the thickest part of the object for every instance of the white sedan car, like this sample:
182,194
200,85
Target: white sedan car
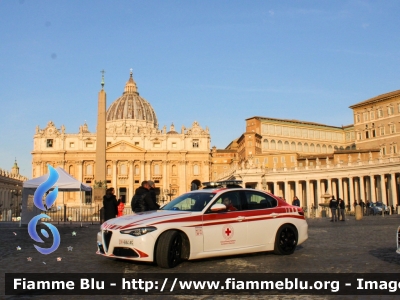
205,223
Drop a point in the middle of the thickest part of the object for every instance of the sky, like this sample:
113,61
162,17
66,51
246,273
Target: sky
217,62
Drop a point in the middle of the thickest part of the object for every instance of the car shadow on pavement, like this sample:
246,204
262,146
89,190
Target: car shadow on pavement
386,254
238,256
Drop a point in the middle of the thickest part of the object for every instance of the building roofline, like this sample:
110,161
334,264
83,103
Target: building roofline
376,99
294,121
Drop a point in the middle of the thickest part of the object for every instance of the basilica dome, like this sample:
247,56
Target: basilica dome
130,106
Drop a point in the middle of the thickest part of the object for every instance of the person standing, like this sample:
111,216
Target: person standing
296,201
367,208
142,201
110,204
152,192
362,204
333,204
341,210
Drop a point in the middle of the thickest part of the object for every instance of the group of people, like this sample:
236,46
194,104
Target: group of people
337,209
144,199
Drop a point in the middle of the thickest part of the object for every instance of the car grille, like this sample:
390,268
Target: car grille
107,238
127,252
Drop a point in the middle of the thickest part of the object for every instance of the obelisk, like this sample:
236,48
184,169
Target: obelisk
100,167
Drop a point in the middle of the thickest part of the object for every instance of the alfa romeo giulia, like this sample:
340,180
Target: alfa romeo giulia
223,219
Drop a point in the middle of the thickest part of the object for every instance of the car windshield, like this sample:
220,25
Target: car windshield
190,202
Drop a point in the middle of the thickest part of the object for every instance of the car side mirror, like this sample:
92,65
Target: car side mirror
218,207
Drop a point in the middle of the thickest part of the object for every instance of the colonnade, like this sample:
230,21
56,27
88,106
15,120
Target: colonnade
378,182
374,188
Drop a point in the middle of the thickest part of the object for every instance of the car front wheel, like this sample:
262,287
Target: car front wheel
285,240
169,249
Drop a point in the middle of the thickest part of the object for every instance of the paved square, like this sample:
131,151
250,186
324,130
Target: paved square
366,246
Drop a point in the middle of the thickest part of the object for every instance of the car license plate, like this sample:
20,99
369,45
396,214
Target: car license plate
126,242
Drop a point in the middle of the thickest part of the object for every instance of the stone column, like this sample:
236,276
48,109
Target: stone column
334,189
205,173
393,194
80,170
185,172
356,190
368,188
276,188
296,190
373,189
362,193
165,175
114,173
345,191
351,191
382,188
319,198
147,174
340,182
131,179
308,204
182,174
329,185
142,175
286,190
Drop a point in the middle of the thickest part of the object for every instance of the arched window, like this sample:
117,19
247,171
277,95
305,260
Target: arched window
305,147
318,148
71,170
137,170
330,149
286,145
174,170
293,146
195,170
273,145
156,169
89,170
312,148
265,144
323,148
299,147
123,169
280,145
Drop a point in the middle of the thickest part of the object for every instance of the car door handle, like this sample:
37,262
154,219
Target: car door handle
274,215
240,219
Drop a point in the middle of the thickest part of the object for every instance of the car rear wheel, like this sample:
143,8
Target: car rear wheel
285,240
169,249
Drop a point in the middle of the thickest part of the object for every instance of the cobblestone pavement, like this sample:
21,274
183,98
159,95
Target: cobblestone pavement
366,246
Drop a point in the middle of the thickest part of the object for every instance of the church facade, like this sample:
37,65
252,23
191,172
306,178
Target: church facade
136,149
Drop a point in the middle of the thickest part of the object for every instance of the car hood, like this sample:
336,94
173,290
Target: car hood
145,218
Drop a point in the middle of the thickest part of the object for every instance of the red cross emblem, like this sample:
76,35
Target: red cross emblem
227,232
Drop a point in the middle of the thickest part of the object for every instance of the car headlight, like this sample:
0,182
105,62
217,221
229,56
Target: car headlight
138,231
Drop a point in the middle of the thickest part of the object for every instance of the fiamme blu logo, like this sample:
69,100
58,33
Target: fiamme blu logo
38,202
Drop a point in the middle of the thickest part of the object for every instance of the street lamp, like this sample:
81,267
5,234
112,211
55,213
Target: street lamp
169,192
264,183
17,192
